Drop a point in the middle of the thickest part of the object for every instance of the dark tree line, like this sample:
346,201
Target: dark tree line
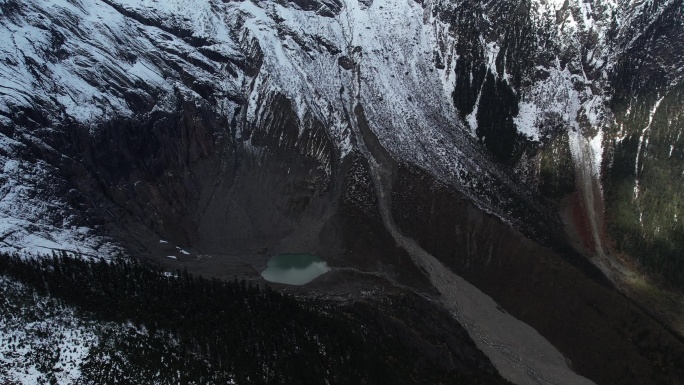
253,334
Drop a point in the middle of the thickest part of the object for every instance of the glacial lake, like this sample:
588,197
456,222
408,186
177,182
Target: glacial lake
294,269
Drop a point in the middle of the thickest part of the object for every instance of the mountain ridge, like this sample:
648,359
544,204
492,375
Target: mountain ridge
233,129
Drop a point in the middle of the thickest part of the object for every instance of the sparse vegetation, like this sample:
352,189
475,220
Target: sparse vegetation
557,174
645,189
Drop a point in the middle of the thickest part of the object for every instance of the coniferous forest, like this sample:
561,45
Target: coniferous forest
178,328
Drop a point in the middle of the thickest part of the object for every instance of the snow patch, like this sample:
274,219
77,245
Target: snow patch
596,147
526,120
491,53
59,332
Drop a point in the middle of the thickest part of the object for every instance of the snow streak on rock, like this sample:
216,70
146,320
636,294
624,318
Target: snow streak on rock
88,62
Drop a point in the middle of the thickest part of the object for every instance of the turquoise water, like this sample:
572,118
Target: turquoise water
294,269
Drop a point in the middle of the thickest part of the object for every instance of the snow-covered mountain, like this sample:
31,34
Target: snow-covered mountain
134,60
343,127
423,73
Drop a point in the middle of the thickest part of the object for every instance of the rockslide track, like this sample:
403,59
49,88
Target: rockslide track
519,352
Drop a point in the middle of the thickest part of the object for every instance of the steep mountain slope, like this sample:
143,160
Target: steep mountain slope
505,138
132,64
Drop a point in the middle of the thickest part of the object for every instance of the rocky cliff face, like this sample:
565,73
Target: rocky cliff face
233,79
243,128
